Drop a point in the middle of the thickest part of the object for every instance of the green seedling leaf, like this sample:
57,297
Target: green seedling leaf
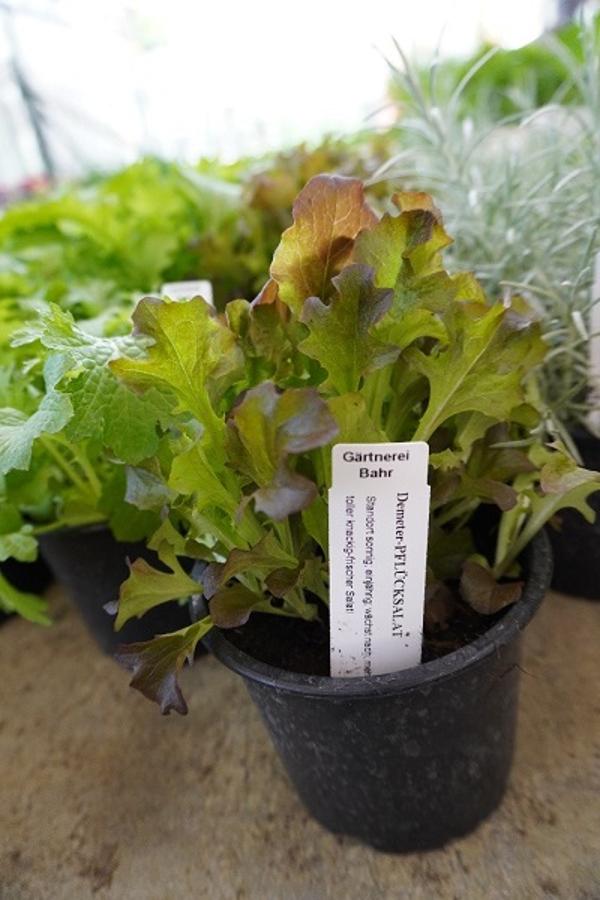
145,490
155,664
147,587
341,333
482,367
29,606
263,558
18,431
193,355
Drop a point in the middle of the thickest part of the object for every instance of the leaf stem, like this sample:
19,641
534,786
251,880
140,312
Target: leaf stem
65,465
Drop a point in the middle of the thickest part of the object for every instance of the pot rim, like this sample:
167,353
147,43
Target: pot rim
539,561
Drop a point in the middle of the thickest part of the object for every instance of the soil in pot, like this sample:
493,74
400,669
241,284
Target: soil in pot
575,541
406,761
91,565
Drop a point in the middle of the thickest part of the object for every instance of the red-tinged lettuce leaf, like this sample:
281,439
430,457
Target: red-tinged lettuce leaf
341,335
264,557
557,483
328,215
404,252
193,354
311,575
231,606
155,664
147,587
265,429
560,474
286,494
482,592
400,247
263,333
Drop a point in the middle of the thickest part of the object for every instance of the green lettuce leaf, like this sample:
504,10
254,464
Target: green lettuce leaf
18,431
147,587
341,333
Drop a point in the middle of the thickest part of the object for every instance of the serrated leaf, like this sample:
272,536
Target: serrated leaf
482,367
193,354
18,432
16,538
341,334
147,587
398,248
327,216
155,664
230,606
268,427
266,556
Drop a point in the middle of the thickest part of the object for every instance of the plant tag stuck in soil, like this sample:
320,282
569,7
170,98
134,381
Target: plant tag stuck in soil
378,525
185,290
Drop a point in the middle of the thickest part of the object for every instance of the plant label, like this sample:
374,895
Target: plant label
185,290
378,525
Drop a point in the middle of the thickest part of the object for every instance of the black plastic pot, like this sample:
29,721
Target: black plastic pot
576,543
407,761
31,577
91,565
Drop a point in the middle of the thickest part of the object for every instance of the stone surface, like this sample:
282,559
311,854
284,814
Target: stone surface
102,798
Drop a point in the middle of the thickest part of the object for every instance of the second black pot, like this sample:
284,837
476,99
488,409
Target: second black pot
30,577
92,564
576,542
407,761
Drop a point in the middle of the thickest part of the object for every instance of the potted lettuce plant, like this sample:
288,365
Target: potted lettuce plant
359,335
64,426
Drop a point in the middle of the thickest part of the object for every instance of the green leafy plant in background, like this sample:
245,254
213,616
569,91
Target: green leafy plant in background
71,267
508,82
523,197
359,335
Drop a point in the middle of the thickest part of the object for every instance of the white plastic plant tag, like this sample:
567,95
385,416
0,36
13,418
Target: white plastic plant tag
185,290
378,526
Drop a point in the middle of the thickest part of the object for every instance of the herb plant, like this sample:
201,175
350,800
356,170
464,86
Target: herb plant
359,335
522,195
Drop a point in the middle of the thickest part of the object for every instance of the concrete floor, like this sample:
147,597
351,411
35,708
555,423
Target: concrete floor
100,797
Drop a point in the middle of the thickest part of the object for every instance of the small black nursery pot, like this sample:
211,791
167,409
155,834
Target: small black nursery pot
406,761
576,544
91,565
